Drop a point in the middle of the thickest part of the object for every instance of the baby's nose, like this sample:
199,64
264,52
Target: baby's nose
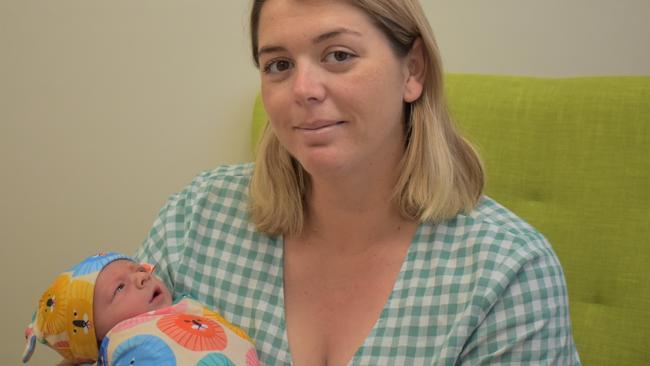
141,278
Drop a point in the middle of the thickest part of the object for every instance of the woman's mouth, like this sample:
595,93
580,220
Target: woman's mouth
318,125
321,131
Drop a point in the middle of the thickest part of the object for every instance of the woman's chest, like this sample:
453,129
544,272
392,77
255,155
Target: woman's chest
331,307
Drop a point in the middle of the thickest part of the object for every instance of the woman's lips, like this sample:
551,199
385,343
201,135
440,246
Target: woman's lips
318,125
319,132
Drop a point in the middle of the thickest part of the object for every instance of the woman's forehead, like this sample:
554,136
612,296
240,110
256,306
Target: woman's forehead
288,20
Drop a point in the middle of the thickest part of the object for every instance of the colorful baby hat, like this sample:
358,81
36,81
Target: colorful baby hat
64,318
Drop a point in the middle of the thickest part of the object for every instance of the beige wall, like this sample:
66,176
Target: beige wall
543,37
108,107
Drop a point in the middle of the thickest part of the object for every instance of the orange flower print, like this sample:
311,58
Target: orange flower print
216,316
194,332
251,358
52,307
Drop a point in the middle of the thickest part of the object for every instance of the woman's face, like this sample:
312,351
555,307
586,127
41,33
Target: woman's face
332,86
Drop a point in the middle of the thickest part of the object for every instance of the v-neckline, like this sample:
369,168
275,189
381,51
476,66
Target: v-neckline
397,286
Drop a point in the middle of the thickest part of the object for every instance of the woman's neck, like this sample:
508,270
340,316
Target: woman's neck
353,212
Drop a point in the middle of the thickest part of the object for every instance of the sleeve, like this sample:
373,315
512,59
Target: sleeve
164,245
529,323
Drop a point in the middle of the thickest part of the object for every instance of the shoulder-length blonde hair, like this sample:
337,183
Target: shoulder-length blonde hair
441,173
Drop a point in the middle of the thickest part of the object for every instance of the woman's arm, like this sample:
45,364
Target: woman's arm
529,321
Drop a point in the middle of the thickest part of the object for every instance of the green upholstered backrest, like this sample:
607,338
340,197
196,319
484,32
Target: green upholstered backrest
572,157
259,122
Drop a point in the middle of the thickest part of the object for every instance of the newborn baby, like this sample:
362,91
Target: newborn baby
112,310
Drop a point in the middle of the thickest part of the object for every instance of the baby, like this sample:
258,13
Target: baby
112,310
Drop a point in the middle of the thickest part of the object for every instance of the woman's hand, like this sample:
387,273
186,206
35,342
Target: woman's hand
65,362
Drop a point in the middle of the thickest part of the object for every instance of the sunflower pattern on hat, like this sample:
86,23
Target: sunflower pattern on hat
51,307
64,317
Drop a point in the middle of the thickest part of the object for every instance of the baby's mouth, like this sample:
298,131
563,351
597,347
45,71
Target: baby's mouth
156,293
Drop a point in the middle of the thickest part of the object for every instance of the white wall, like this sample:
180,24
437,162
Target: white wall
108,107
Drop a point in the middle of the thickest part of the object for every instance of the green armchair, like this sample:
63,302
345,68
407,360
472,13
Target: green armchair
572,157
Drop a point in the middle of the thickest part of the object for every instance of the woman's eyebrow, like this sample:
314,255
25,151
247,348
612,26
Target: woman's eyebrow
334,33
318,39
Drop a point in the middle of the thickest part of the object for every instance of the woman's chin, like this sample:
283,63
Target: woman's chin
324,165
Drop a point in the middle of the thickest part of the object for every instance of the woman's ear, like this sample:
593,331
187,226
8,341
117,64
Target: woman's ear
416,72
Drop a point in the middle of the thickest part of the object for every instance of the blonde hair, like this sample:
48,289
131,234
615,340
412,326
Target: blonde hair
441,173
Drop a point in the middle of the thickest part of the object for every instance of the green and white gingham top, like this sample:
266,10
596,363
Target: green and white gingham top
482,288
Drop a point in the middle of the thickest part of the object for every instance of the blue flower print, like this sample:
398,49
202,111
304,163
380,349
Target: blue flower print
95,263
215,359
143,350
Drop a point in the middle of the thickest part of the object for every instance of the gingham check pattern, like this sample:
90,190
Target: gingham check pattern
483,288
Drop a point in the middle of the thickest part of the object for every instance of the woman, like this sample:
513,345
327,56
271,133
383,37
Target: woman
360,235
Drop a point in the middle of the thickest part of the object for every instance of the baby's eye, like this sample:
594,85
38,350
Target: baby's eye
338,56
120,288
277,66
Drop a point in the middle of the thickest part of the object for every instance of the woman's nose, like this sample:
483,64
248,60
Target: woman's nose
308,84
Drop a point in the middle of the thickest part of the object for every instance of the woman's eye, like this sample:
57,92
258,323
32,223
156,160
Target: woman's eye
278,66
338,56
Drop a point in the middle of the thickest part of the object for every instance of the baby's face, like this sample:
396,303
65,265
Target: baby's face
123,290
